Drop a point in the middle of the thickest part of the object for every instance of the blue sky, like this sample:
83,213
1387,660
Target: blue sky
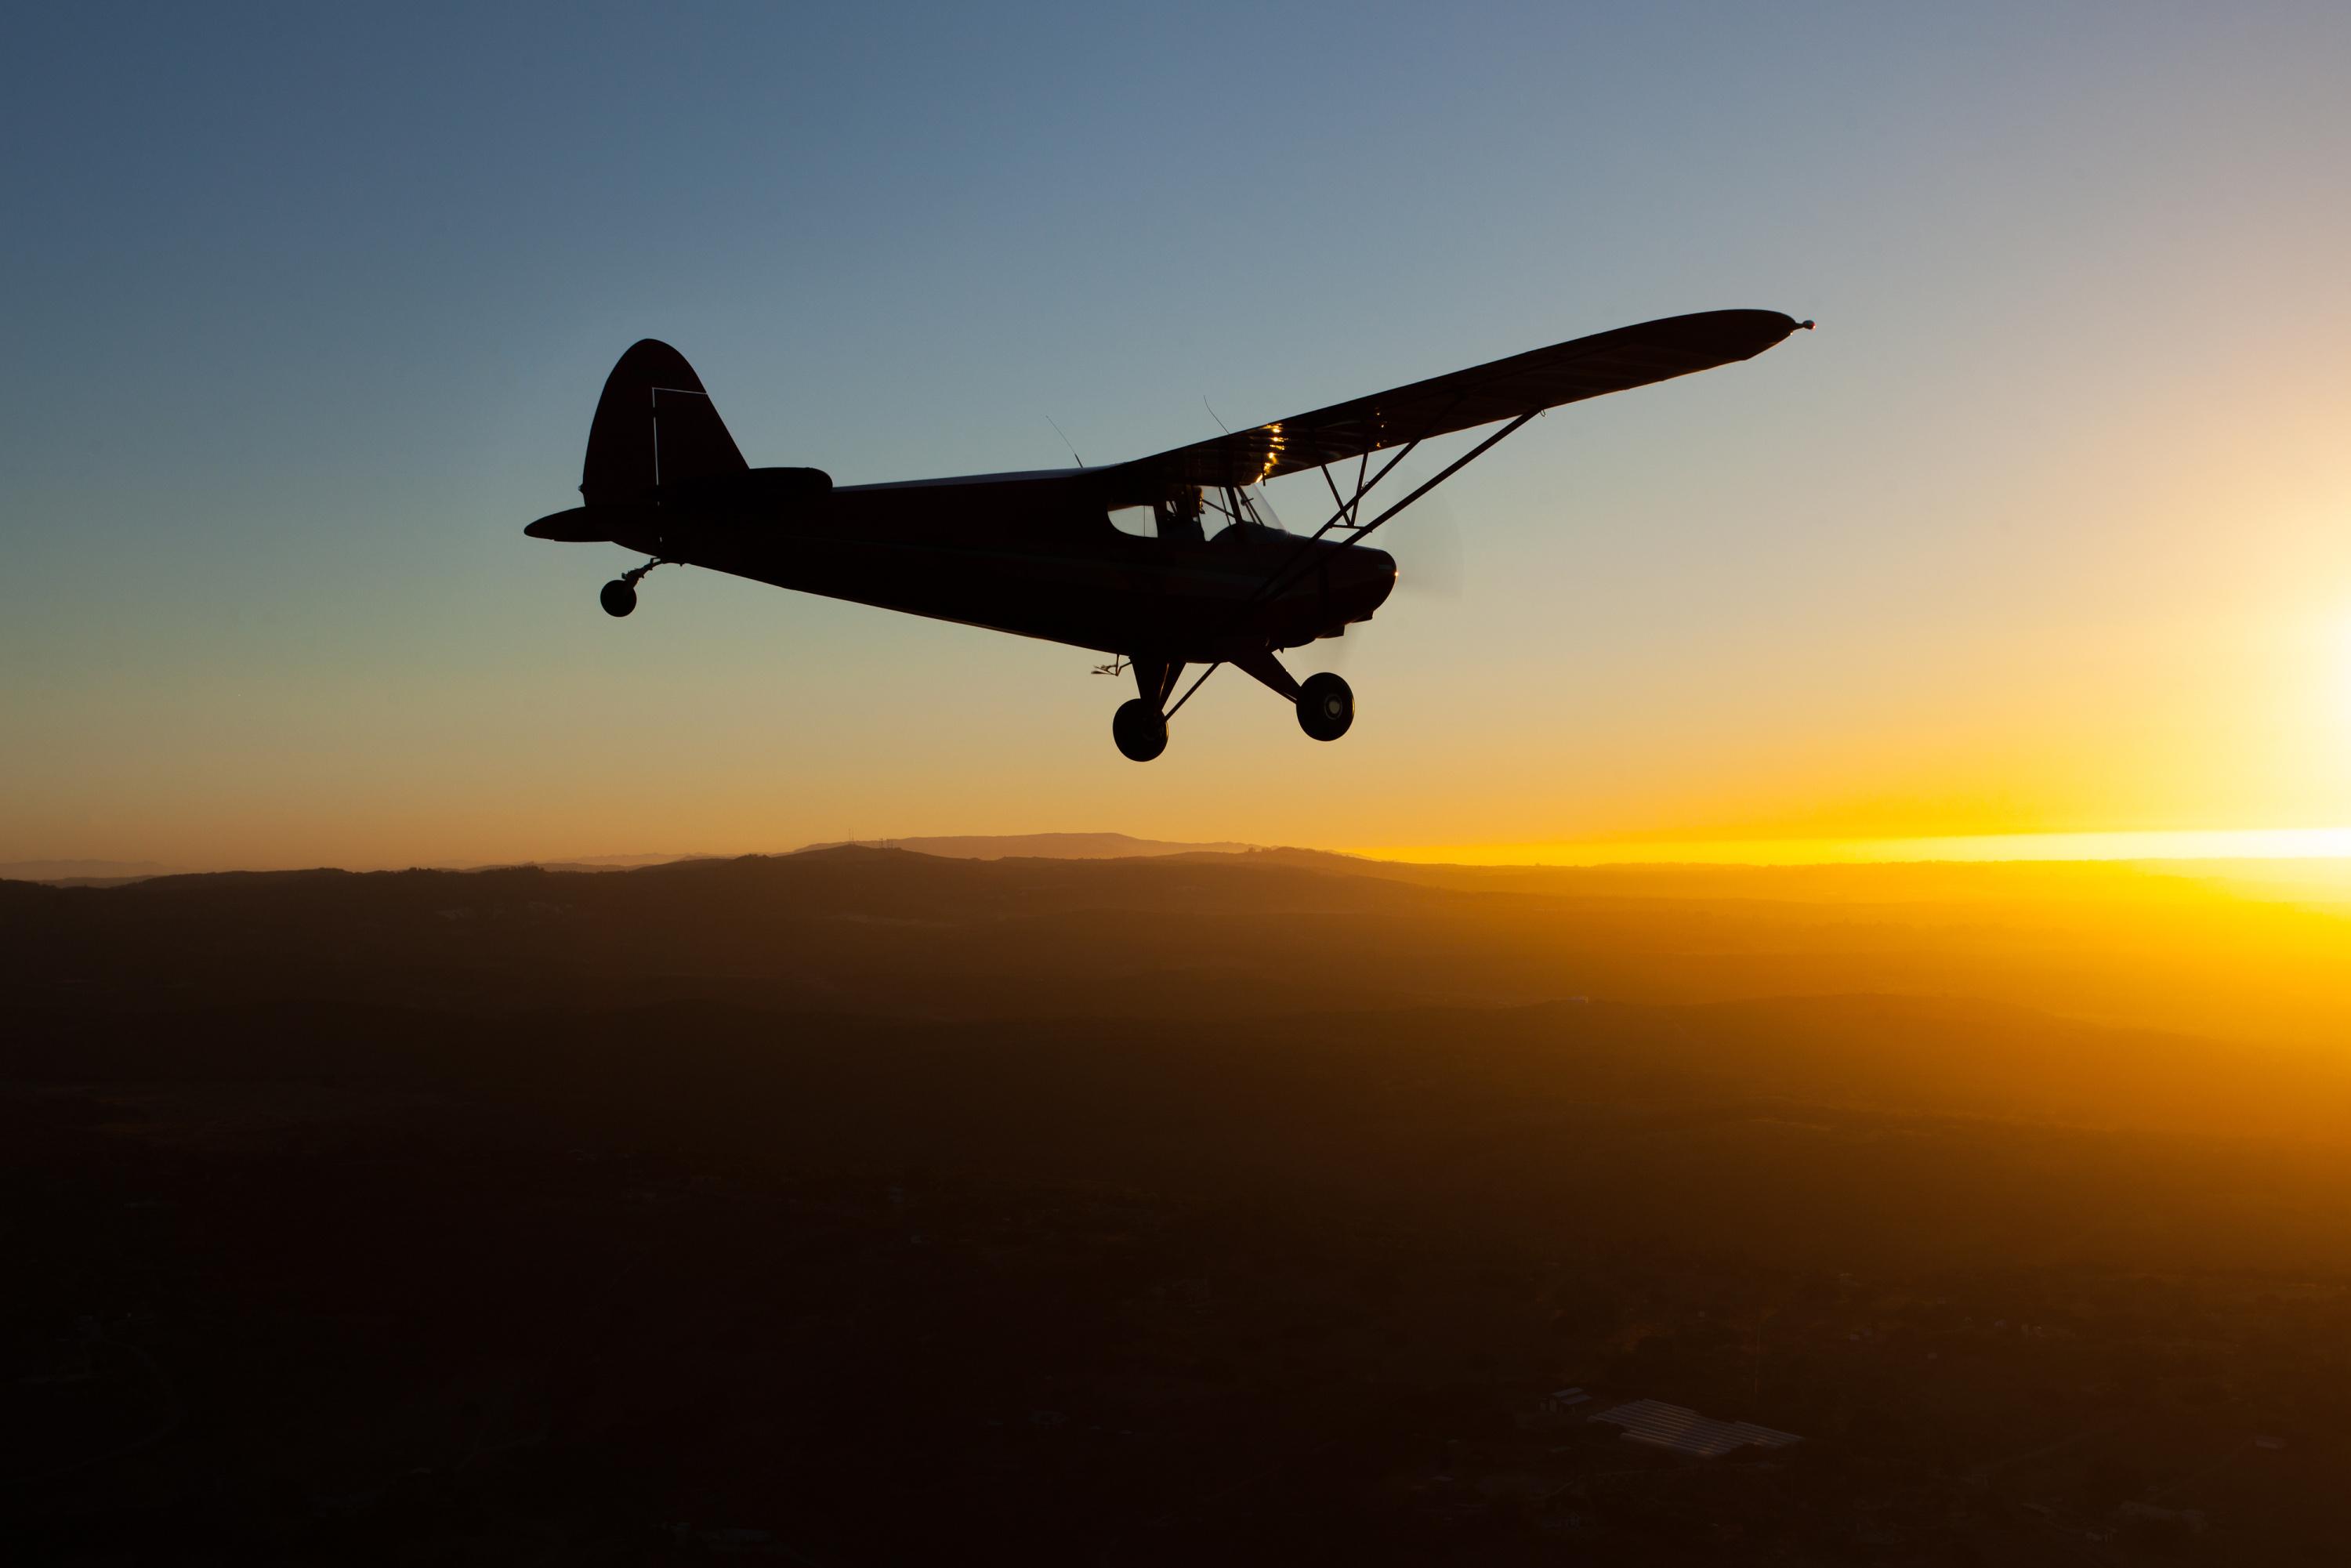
2043,529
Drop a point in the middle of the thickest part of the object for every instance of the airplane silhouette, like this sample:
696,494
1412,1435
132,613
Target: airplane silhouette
1215,582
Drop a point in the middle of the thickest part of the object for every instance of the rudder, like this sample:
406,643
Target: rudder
654,426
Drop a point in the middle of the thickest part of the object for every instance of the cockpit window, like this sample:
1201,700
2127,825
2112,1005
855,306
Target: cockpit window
1220,509
1194,514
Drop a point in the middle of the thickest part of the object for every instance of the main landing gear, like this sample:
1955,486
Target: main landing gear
1325,704
619,596
1140,725
1140,730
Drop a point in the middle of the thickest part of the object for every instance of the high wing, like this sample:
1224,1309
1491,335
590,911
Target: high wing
1523,384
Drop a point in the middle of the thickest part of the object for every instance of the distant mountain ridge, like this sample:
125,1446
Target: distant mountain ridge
960,846
83,874
583,863
954,846
1041,846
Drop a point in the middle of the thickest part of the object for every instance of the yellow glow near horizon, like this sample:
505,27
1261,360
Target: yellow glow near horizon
2343,666
2254,843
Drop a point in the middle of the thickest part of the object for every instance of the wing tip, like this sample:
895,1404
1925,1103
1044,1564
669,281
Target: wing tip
1771,326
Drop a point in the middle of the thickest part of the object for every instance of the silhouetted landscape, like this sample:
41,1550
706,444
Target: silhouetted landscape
864,1206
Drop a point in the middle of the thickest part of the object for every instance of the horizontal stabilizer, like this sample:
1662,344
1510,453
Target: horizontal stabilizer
595,525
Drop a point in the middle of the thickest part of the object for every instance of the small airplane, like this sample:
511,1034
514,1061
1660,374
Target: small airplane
1200,574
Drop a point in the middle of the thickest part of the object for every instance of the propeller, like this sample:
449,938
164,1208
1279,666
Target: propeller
1431,558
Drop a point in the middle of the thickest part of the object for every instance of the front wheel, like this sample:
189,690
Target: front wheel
1326,706
1139,729
618,598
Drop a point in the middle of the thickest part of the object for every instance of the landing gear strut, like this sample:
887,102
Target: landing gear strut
1326,706
619,596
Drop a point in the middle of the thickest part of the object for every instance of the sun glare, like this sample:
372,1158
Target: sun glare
2253,843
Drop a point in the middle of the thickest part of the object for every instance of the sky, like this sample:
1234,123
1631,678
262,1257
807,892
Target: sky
2047,530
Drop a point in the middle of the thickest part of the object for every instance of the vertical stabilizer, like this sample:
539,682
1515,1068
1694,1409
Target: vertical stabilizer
654,425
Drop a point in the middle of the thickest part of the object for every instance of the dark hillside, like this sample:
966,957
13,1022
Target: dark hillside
859,1206
887,932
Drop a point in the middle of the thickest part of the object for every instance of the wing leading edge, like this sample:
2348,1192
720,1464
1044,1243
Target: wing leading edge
1544,377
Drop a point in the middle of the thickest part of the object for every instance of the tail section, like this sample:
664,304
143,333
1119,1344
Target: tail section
654,426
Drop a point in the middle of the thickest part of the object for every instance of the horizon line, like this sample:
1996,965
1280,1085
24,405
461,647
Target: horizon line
2113,846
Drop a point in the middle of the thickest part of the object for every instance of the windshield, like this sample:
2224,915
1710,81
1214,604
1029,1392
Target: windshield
1219,509
1197,514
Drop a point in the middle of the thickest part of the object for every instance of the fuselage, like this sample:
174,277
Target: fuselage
1034,554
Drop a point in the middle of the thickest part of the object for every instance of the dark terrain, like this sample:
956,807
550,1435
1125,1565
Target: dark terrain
862,1207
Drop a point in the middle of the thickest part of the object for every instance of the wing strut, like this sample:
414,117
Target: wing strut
1286,576
1289,572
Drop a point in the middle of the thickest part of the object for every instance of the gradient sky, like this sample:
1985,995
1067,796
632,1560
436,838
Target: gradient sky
2046,529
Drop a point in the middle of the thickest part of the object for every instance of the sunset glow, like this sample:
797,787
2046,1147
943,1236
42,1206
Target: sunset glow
2272,843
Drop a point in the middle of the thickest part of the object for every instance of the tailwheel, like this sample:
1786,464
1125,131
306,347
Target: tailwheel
620,595
1139,729
1326,706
